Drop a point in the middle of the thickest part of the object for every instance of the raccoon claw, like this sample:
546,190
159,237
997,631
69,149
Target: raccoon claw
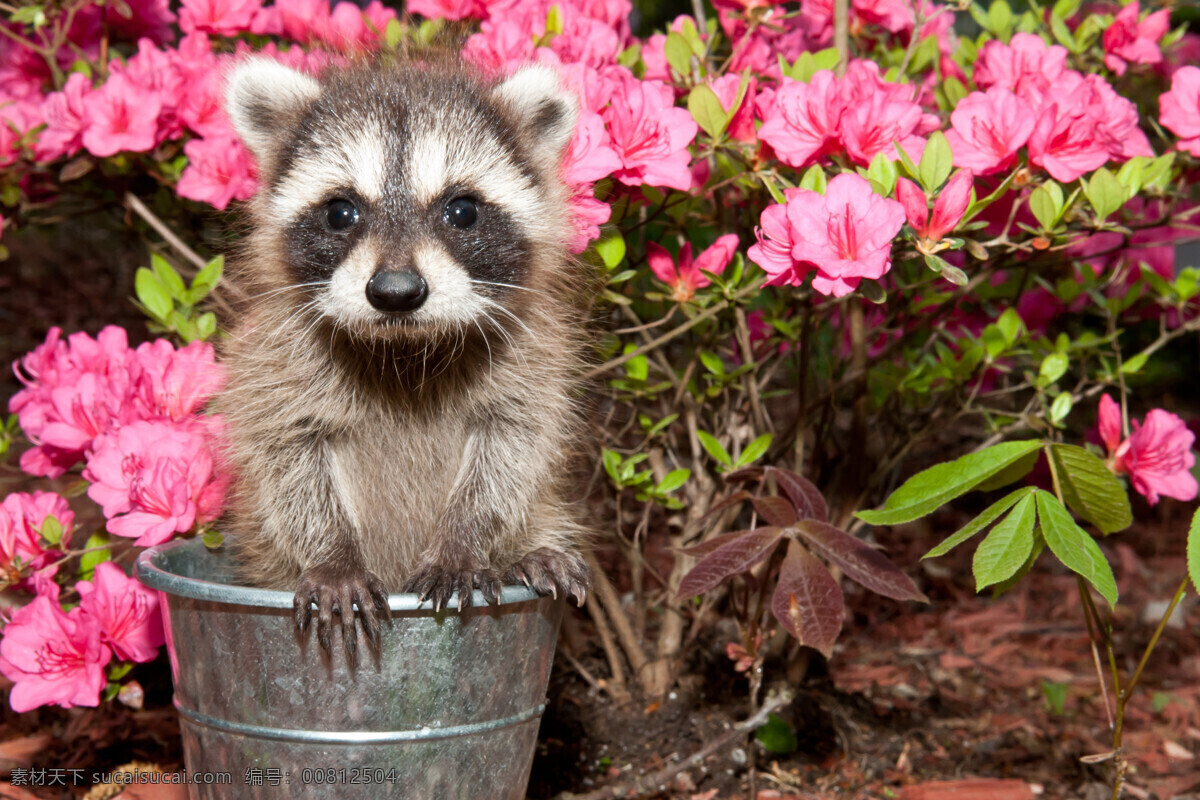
549,572
439,583
335,593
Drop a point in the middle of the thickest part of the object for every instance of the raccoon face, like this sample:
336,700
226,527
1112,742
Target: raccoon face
411,199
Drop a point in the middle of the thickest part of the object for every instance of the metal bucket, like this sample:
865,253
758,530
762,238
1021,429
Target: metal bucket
449,709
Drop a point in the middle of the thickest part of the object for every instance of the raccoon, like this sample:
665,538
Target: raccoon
400,396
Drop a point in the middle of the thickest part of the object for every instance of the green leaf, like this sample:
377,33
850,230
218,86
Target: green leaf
206,325
813,180
776,736
52,530
678,53
1046,203
936,162
1000,19
1010,474
1054,366
1074,547
673,480
1193,551
989,515
118,669
213,539
705,107
1010,325
1060,408
393,33
168,277
754,450
1105,193
883,172
1065,9
714,448
1063,34
712,362
88,561
1157,174
773,190
1130,174
954,91
1090,489
611,248
152,294
1056,697
206,280
940,484
1006,548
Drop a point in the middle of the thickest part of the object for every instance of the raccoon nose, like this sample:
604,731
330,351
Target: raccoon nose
396,290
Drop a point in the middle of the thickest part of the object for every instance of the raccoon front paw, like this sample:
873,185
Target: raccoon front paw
438,582
336,592
549,572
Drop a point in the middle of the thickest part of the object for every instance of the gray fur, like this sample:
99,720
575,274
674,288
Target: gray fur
435,441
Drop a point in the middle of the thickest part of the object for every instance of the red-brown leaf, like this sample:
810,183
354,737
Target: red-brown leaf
706,547
775,510
808,601
806,498
744,475
732,558
861,562
725,502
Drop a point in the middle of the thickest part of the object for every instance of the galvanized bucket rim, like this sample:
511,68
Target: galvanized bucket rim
150,570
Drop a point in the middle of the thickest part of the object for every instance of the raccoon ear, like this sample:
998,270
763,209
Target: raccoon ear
545,110
265,99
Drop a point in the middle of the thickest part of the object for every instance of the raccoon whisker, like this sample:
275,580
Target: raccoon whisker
507,286
290,287
512,345
487,344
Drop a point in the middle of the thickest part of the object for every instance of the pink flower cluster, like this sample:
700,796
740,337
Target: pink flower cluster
1180,109
844,235
58,657
22,551
860,114
688,275
1130,40
1070,123
133,416
1157,456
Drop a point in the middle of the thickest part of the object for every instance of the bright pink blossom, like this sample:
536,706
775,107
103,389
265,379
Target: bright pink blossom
303,20
52,656
587,215
803,122
176,383
651,135
773,250
65,119
1065,141
154,479
687,276
741,126
126,612
121,117
1128,40
1180,109
219,171
590,155
871,127
222,17
844,235
22,516
948,208
1157,456
988,130
1025,63
446,9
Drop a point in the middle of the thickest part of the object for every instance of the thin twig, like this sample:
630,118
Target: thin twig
650,784
139,208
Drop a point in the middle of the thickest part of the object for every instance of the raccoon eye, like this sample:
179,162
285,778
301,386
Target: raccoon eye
461,212
341,214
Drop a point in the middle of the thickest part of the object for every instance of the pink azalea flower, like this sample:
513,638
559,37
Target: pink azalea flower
845,234
590,155
803,123
871,127
988,130
219,171
1065,141
948,208
222,17
688,276
351,28
303,20
1180,109
153,479
176,383
1116,120
650,135
741,127
587,215
1128,40
121,117
65,119
1157,456
773,250
27,513
1025,63
895,16
52,657
136,19
500,42
126,612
